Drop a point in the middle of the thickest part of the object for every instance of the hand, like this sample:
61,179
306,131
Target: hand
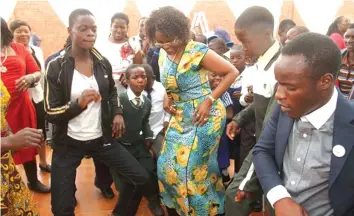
27,137
165,126
287,206
236,95
232,129
249,97
146,46
168,105
24,82
240,195
201,114
87,97
118,127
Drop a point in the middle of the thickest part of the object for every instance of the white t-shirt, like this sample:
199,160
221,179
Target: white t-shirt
121,56
86,126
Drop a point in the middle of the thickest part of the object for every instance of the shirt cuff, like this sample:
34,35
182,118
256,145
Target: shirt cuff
242,101
277,193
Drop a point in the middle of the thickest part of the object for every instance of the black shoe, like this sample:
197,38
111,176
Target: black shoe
47,168
38,187
257,206
156,209
107,193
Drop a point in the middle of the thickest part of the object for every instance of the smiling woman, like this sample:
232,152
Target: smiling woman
121,50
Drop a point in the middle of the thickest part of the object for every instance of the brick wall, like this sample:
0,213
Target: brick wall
44,22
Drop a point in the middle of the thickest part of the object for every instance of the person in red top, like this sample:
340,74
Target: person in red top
337,29
19,71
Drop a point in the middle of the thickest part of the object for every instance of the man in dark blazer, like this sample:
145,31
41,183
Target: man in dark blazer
304,158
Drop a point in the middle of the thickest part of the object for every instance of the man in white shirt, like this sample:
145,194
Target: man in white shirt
159,119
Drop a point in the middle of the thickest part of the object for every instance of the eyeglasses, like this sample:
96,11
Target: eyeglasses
161,45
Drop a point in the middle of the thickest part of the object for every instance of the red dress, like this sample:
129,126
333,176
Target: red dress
20,112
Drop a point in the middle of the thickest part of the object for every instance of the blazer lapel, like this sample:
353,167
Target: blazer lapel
285,126
343,135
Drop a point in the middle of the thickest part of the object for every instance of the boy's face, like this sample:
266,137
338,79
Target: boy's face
214,80
137,80
238,60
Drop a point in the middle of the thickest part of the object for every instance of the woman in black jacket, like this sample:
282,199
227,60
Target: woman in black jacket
81,103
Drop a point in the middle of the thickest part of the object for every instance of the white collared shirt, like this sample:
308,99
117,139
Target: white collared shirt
246,79
317,118
264,81
157,116
320,116
132,97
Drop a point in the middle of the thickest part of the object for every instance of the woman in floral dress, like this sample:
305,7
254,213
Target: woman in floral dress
189,178
15,197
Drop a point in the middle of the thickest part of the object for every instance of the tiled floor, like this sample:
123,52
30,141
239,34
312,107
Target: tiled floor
90,201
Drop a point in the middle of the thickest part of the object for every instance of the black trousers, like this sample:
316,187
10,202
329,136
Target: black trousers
141,153
66,159
103,177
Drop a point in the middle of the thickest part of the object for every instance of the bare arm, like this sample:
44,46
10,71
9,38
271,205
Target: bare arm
215,63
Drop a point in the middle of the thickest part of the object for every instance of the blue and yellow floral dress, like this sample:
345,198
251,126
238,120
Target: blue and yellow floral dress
189,177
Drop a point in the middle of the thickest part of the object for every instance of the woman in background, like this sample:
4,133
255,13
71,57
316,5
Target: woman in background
337,29
19,72
120,50
22,34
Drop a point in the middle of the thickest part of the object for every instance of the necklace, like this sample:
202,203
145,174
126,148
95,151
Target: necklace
3,69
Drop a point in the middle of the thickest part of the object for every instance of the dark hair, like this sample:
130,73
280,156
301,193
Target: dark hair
219,41
321,53
286,24
130,68
122,16
255,16
170,22
301,29
351,26
237,47
205,39
333,28
141,19
148,70
76,13
17,24
6,35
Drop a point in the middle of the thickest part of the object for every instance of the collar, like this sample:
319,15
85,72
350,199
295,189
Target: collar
320,116
96,56
132,96
268,55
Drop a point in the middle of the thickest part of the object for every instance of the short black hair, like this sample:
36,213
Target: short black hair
286,24
170,22
122,16
300,30
17,24
130,68
237,47
255,16
333,28
321,53
205,39
219,41
76,13
148,70
351,26
6,35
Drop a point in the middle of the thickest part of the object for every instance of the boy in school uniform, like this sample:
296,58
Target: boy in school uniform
159,119
138,136
223,151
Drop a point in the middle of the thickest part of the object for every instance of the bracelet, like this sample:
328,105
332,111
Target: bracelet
212,98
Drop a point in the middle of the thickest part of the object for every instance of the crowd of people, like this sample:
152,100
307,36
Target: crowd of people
196,124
